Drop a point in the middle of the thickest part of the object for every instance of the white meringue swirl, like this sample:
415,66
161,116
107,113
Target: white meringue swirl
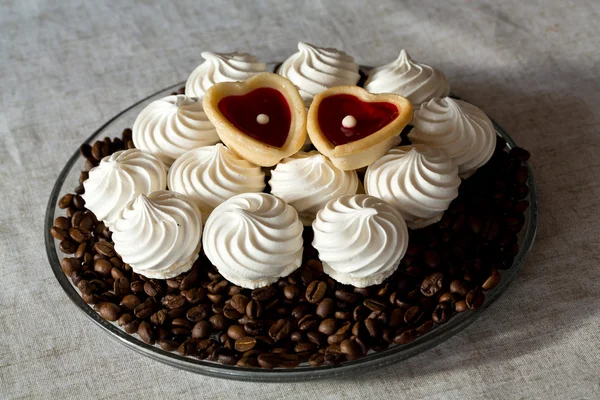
307,181
462,130
254,239
159,235
416,81
171,126
222,67
212,174
418,181
118,179
360,239
315,69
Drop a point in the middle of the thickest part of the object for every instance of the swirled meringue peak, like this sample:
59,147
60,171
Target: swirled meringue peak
222,67
254,239
159,234
360,239
418,181
458,128
307,181
314,69
118,179
171,126
212,174
416,81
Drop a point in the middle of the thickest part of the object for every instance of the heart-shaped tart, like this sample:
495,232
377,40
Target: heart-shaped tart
263,119
353,127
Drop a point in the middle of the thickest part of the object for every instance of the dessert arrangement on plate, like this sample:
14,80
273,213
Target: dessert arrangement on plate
311,214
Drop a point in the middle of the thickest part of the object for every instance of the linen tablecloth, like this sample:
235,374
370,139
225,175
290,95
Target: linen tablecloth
66,67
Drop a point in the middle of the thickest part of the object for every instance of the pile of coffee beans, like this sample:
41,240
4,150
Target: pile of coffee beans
307,316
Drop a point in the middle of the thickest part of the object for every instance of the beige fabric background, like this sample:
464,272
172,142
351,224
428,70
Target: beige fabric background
68,66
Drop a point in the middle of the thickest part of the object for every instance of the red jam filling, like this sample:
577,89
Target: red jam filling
370,117
243,110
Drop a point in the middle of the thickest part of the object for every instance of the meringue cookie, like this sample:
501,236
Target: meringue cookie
212,174
415,81
418,181
118,179
159,234
314,69
307,181
462,130
254,239
171,126
222,67
360,239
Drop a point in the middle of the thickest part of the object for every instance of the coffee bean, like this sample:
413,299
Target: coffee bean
351,349
269,360
130,302
247,362
159,318
218,287
425,327
263,293
65,201
109,311
219,322
412,315
460,306
103,268
245,343
64,223
201,330
315,292
360,313
374,305
396,317
492,281
198,312
67,246
59,233
146,332
449,297
78,202
346,297
216,298
289,360
432,284
442,313
280,329
121,287
144,310
239,303
187,348
328,326
316,360
132,327
194,295
70,265
105,248
308,323
254,328
254,309
291,292
459,287
373,327
235,331
230,312
299,311
136,287
153,288
173,301
405,337
343,315
124,319
325,308
475,299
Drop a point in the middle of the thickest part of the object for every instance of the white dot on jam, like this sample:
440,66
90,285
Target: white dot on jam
262,119
349,121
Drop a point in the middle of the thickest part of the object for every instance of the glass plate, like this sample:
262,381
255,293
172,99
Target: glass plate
68,180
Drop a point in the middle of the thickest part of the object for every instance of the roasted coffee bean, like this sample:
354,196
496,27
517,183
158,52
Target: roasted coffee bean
289,360
104,248
67,246
432,258
291,292
109,311
70,265
396,317
230,312
460,306
263,293
130,302
168,345
304,347
132,327
216,298
475,299
360,313
218,287
85,287
153,288
432,284
239,303
296,336
412,315
144,310
65,201
317,338
59,233
103,267
442,313
198,312
247,362
65,224
124,319
299,311
492,281
351,349
325,307
116,273
269,360
187,348
449,297
373,327
459,287
201,330
180,331
347,297
159,318
80,252
374,305
173,301
316,360
235,331
333,354
328,326
137,287
146,332
425,327
78,202
280,329
194,295
91,298
121,287
254,328
343,315
405,337
315,292
308,323
254,309
219,322
245,343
